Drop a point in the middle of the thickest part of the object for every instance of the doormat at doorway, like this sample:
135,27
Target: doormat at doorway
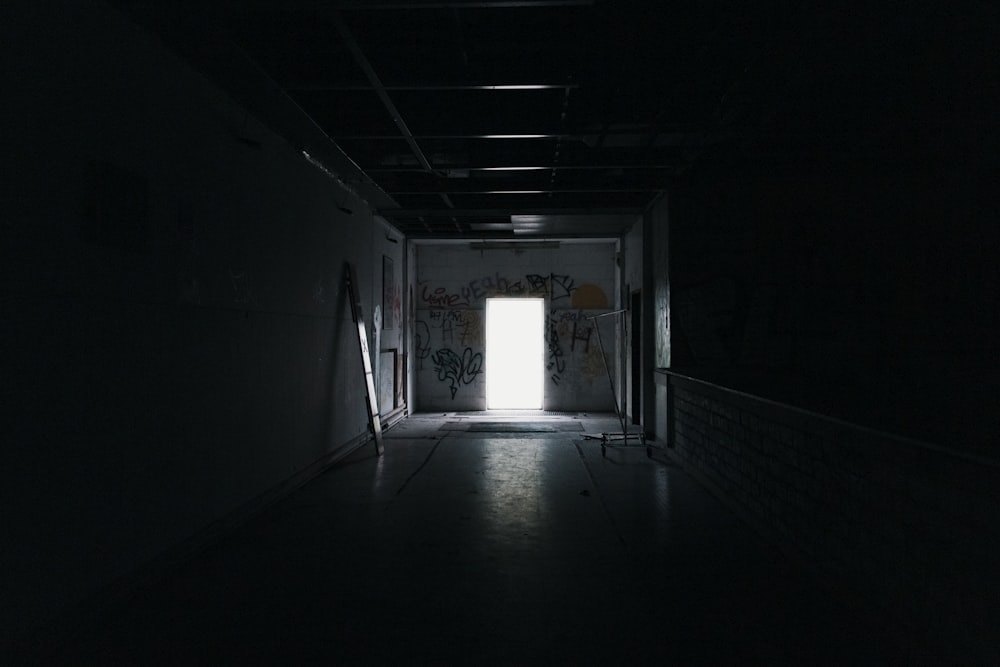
513,427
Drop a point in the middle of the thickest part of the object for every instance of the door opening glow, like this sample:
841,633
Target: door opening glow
514,353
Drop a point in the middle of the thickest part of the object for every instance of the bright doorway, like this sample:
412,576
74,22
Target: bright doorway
515,353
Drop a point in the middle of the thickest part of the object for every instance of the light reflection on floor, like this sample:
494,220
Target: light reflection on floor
460,547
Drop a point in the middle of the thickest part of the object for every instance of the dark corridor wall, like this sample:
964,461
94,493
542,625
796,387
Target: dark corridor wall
176,340
846,260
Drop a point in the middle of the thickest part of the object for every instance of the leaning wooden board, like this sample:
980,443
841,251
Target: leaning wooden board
375,420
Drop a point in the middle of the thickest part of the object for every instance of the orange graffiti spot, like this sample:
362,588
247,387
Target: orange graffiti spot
589,296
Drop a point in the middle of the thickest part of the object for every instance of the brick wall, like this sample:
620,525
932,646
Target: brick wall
907,528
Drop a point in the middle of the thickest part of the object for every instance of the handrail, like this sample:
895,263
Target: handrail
912,442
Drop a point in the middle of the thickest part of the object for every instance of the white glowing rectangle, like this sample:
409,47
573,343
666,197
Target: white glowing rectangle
515,347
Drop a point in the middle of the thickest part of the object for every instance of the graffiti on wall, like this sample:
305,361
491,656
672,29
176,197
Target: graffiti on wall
471,292
555,362
464,327
568,337
447,331
450,329
421,342
572,352
457,369
559,288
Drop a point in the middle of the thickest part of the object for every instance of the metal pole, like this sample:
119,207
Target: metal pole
613,312
600,342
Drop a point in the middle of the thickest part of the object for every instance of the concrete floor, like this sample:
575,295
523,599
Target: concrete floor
464,547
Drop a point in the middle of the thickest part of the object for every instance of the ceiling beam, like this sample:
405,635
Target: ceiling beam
529,183
376,83
503,212
541,190
385,5
461,4
668,138
394,137
306,87
559,167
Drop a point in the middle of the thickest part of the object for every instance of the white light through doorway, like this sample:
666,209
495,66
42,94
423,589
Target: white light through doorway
514,353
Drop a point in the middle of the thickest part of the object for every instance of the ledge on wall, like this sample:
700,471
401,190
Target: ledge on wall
870,402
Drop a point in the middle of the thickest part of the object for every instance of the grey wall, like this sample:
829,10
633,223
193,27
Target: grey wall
453,282
844,262
871,296
658,317
176,339
632,280
847,257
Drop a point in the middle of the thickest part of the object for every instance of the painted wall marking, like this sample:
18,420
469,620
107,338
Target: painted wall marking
457,370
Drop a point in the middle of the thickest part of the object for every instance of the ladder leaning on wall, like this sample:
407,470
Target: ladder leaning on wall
374,419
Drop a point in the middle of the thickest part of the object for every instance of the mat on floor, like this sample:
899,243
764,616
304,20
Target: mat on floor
513,427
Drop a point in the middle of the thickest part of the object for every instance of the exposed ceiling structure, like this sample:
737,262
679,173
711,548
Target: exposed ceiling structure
505,118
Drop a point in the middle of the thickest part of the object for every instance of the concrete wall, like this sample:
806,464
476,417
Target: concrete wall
453,282
632,282
846,258
176,336
844,262
868,295
908,529
659,317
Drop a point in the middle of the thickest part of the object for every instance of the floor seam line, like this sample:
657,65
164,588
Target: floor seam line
416,472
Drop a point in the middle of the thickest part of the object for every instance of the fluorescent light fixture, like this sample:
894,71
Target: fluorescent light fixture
516,136
509,168
512,245
524,86
490,226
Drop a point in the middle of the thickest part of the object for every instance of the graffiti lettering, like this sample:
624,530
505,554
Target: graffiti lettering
467,323
555,361
449,315
570,315
562,287
580,333
457,370
422,341
558,286
472,331
440,298
477,290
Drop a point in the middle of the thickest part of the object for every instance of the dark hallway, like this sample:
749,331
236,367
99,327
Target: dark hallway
491,547
764,234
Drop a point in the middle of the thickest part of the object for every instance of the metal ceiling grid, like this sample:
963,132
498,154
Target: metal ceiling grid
464,113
